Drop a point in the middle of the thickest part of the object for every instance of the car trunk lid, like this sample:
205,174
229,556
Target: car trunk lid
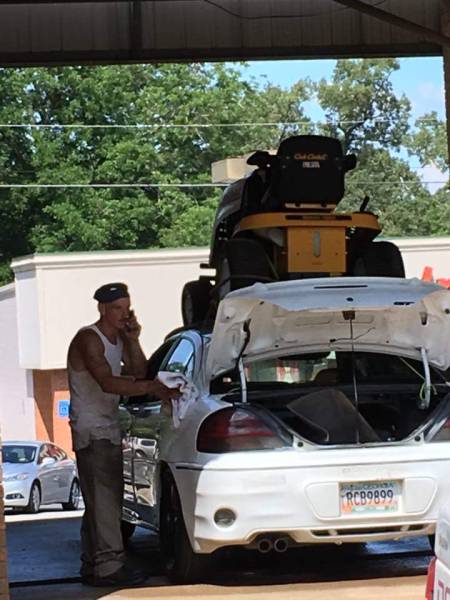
392,316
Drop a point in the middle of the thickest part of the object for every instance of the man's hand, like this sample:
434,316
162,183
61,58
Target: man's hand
162,392
132,330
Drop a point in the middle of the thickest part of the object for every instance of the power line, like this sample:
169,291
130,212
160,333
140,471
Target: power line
197,125
146,125
392,183
111,185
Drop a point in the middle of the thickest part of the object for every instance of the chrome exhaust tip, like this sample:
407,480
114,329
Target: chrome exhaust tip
281,544
265,545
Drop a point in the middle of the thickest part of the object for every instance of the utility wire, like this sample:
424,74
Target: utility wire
392,184
196,125
112,185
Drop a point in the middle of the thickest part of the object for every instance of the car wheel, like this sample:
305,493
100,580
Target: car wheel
181,563
127,530
35,499
74,497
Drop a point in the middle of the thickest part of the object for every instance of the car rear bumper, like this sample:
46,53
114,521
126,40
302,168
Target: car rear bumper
303,502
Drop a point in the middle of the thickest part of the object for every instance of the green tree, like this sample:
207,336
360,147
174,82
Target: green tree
361,107
397,195
17,212
429,141
196,97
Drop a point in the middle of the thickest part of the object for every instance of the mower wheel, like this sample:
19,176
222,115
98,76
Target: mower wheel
195,301
381,259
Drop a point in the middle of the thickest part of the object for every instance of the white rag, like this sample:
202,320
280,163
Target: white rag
189,394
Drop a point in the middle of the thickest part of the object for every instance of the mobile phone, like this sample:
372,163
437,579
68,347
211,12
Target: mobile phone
130,316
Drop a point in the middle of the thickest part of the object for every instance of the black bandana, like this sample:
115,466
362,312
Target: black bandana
110,292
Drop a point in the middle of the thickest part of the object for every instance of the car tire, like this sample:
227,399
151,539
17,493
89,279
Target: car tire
127,530
181,563
195,301
34,501
73,502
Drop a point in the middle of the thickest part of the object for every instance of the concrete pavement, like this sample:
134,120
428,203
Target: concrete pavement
45,549
408,588
52,511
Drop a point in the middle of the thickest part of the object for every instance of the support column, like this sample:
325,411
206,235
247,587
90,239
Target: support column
52,402
446,54
4,593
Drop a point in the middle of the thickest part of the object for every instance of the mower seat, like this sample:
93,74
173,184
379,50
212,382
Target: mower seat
307,170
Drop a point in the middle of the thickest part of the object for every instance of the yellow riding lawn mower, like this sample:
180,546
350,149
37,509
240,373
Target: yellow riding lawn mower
281,223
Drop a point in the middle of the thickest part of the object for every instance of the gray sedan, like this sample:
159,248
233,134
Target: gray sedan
38,473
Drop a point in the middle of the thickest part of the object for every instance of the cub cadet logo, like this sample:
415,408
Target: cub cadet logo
310,156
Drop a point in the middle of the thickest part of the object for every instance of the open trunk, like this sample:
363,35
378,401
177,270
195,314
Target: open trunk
338,361
344,397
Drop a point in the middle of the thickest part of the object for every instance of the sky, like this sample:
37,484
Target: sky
421,79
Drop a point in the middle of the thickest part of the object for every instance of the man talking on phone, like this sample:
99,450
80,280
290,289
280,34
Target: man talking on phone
105,361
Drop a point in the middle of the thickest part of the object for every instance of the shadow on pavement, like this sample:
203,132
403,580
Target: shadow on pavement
47,551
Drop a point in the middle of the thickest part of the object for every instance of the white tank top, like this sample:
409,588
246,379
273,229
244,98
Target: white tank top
94,414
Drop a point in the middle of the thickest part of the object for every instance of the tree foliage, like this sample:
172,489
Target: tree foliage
360,108
429,141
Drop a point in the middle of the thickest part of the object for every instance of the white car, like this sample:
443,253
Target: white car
322,416
38,473
438,580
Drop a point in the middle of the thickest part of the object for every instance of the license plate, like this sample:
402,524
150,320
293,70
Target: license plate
369,497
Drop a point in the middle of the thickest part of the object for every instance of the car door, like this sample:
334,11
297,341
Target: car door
63,473
129,409
47,474
125,420
148,421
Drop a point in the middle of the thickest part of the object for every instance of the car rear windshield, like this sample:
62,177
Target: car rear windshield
16,454
330,368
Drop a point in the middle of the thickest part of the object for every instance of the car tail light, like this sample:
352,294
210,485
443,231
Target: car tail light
443,434
235,429
430,579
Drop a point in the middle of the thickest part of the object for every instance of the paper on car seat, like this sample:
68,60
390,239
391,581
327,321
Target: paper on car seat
189,394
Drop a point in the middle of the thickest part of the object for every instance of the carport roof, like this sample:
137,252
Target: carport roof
114,31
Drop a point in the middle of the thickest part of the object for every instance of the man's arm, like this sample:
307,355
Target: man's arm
134,359
90,350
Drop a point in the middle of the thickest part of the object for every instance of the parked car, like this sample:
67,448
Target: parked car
322,416
38,473
438,579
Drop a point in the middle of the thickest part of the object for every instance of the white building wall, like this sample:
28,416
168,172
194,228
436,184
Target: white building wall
55,296
17,411
54,291
426,253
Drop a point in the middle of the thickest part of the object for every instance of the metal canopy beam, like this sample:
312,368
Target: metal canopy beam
47,33
387,17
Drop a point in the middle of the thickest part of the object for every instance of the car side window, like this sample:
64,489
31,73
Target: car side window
153,366
181,360
43,453
158,358
56,452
